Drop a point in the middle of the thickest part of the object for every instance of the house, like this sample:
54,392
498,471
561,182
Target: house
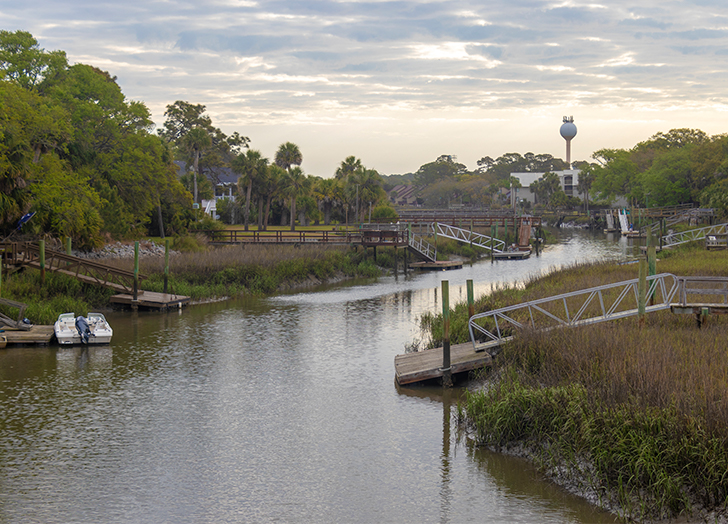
223,180
403,195
568,178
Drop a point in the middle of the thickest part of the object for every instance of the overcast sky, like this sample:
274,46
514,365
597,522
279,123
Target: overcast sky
398,83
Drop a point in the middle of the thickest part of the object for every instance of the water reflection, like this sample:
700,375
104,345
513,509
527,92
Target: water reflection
279,409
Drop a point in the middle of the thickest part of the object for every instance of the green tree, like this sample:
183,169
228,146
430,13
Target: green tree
288,155
252,167
273,187
296,185
22,61
196,141
587,175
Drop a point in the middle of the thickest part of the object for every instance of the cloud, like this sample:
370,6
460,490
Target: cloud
269,67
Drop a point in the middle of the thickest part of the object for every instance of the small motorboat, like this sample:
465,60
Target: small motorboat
513,252
93,329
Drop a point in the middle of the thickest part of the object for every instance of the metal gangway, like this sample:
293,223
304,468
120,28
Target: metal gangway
691,235
421,246
470,237
490,329
682,216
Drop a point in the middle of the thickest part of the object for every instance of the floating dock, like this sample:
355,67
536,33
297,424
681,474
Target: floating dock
151,300
437,266
35,336
426,365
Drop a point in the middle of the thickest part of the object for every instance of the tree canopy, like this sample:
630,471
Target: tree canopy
76,152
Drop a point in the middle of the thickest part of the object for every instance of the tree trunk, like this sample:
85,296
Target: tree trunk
267,213
293,213
246,212
260,212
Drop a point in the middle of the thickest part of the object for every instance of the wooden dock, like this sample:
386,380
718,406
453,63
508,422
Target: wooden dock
437,266
151,300
427,365
36,335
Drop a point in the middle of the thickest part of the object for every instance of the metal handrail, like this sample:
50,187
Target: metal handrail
465,235
423,247
691,235
537,314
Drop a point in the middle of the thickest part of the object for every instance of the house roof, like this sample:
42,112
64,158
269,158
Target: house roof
221,176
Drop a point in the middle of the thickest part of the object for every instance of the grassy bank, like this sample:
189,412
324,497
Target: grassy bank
633,418
206,273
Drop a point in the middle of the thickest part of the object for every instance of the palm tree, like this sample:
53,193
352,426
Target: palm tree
288,155
297,185
251,166
195,142
326,191
348,167
274,184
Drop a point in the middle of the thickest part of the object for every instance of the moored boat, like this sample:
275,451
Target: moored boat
93,329
513,252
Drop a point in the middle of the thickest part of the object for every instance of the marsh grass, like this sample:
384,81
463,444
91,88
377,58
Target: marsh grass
638,414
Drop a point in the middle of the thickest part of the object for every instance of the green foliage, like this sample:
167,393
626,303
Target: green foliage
76,152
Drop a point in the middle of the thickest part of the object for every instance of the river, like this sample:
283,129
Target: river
281,409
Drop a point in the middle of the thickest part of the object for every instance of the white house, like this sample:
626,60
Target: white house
569,179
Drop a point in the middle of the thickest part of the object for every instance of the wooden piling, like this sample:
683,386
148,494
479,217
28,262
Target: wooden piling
471,299
41,258
136,271
166,264
446,369
651,260
642,291
493,230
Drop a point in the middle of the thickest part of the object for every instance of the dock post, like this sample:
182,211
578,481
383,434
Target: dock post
642,291
166,264
136,273
41,244
651,260
68,245
471,299
446,369
2,255
492,236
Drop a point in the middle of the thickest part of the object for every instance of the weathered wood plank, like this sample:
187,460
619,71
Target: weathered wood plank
426,365
151,300
36,335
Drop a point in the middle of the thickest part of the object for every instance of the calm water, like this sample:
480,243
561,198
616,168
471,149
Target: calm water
273,410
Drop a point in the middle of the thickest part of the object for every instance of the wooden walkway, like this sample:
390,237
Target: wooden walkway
28,254
427,365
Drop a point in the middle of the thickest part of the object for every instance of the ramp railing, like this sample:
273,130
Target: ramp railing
577,308
470,237
691,235
424,248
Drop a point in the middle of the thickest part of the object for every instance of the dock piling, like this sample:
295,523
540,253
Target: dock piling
446,369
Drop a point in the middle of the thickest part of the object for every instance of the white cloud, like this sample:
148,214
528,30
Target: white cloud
465,78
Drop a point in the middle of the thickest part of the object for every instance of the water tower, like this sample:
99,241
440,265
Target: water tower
568,131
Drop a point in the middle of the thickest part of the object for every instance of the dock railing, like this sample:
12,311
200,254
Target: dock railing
588,306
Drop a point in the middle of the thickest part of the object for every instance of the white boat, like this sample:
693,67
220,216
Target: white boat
93,329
